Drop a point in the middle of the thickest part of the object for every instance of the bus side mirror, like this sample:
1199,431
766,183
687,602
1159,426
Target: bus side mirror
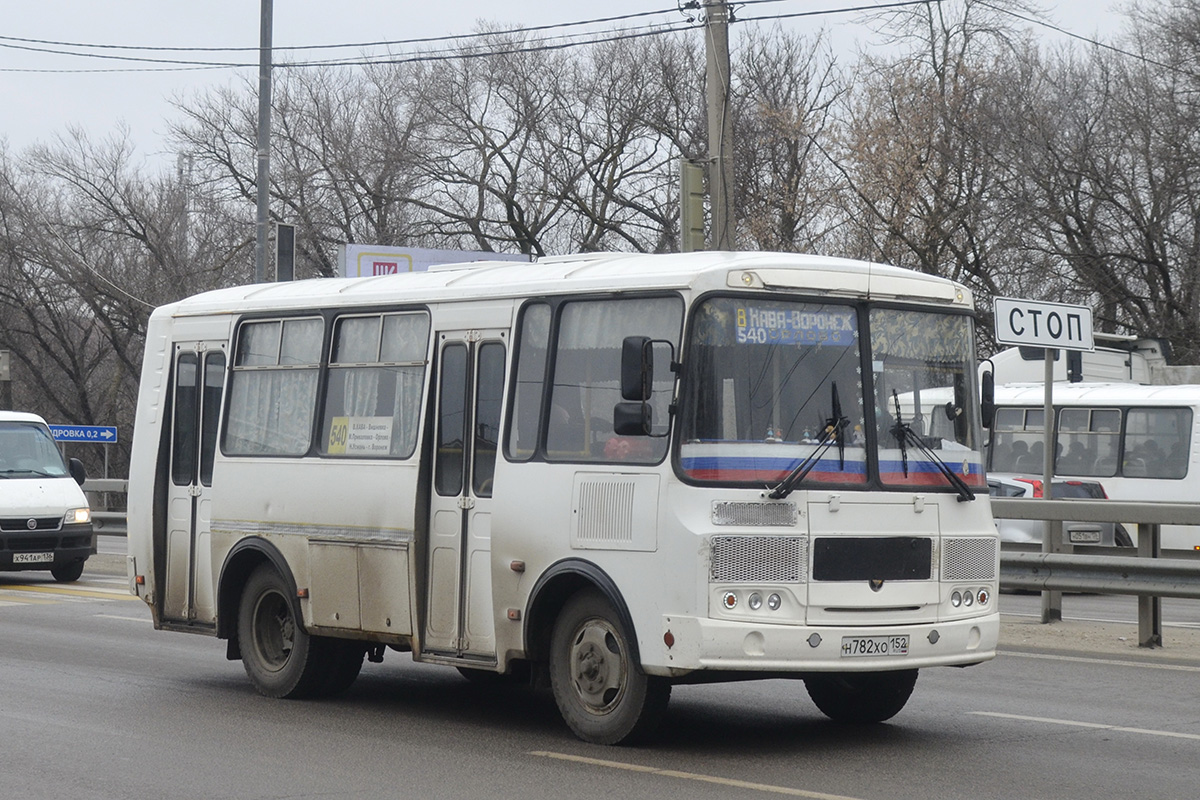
637,368
633,419
987,404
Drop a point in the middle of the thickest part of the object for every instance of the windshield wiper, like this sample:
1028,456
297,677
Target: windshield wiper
906,435
8,473
834,431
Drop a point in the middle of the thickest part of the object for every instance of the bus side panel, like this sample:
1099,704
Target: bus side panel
345,527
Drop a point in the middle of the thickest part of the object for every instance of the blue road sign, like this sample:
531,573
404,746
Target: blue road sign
101,434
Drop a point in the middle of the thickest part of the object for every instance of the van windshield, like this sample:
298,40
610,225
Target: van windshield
28,451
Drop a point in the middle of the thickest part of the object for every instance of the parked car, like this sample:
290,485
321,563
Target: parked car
1110,534
45,522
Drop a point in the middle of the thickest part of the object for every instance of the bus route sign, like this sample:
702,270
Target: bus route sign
1049,325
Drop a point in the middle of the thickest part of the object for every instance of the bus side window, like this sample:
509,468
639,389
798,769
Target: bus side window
273,389
529,382
587,376
1156,442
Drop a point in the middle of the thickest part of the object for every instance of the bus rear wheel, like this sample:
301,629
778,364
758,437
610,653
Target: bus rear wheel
280,657
601,691
861,697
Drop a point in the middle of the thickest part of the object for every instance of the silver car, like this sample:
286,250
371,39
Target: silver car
1029,531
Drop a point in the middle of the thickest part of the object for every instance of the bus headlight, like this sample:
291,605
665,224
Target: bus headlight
956,599
729,600
754,601
774,602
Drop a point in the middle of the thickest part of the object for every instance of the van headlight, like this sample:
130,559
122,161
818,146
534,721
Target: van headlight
78,516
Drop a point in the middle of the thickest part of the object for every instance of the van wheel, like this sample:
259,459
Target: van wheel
861,697
601,691
280,657
68,572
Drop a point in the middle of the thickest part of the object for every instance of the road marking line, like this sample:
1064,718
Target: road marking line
691,776
18,600
126,619
1025,615
101,594
1105,661
1093,725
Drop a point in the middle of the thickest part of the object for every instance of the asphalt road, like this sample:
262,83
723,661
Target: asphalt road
96,704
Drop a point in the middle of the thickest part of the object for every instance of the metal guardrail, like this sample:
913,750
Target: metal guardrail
1149,576
106,523
1088,510
1164,577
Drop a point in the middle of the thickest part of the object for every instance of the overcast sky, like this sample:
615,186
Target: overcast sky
40,105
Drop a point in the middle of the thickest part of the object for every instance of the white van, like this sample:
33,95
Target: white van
45,522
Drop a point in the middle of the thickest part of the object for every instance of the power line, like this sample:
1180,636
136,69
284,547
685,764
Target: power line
542,44
539,45
1087,39
381,43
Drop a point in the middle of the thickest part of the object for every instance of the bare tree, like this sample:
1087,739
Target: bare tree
916,147
785,186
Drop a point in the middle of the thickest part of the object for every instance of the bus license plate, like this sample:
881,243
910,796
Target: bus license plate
874,646
33,558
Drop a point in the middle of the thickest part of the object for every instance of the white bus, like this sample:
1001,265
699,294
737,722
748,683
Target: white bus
1139,441
609,472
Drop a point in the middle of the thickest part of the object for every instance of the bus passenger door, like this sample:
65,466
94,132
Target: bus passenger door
198,378
461,620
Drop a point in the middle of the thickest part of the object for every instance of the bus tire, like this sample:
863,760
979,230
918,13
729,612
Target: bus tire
861,697
345,662
280,657
601,691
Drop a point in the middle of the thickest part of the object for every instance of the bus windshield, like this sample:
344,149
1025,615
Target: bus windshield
776,388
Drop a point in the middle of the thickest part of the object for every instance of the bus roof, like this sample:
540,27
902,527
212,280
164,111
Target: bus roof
701,271
1099,394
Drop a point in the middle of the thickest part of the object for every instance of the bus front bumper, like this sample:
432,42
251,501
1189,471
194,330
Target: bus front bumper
694,643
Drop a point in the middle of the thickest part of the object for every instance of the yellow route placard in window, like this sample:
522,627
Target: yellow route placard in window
339,432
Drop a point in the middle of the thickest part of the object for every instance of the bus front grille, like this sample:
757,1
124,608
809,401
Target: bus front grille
969,559
753,514
758,559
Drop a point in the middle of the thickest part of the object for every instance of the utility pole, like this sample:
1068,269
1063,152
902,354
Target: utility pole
720,124
6,401
691,205
264,143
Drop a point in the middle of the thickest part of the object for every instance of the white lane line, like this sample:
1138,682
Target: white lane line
1113,662
126,619
1022,614
1092,725
691,776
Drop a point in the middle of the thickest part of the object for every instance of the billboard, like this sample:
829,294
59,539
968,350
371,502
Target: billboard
364,260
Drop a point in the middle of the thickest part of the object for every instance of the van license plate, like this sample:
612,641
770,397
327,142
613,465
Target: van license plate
874,646
33,558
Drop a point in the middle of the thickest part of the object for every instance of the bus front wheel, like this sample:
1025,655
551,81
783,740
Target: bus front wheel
861,697
601,691
280,657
